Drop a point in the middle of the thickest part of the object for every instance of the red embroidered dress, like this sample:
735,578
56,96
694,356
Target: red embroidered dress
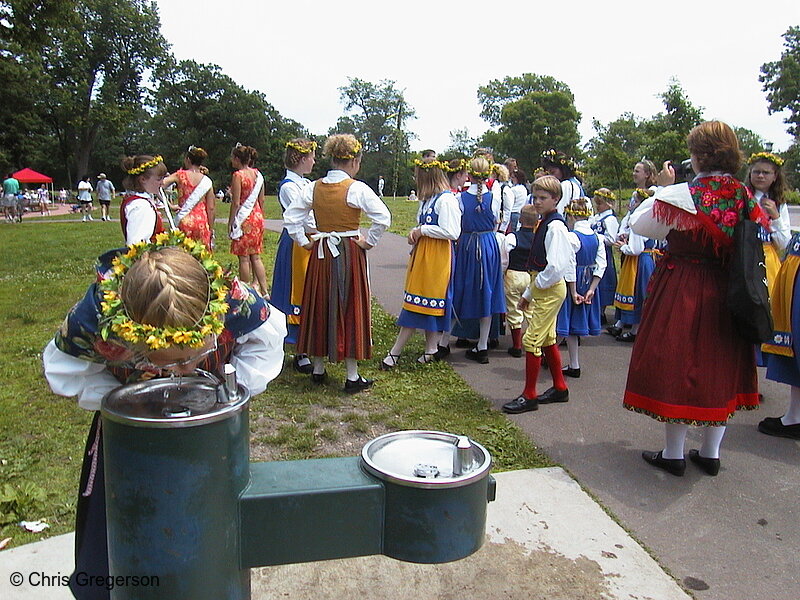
195,225
253,227
688,364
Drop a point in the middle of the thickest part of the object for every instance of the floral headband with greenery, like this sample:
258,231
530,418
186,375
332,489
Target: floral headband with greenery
769,156
580,213
479,174
353,152
144,166
310,147
644,194
607,195
461,165
430,164
559,159
115,319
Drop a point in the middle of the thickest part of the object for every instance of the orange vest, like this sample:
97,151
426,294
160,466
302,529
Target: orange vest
331,211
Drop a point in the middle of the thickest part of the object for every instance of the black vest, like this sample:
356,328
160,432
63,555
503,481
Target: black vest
537,259
518,257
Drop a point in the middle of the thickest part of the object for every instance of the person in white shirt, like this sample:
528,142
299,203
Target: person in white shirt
604,223
336,319
552,256
502,190
562,167
519,187
85,198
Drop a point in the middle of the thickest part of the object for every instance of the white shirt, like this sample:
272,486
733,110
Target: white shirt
520,197
257,357
781,231
560,249
600,262
569,191
141,218
84,191
505,197
359,195
449,227
291,191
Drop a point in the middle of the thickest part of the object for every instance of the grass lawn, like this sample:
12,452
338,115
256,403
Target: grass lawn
46,267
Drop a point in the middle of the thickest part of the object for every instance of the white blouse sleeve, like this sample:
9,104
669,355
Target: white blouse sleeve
635,245
360,195
560,257
612,230
258,355
781,229
600,262
449,227
297,214
72,376
141,217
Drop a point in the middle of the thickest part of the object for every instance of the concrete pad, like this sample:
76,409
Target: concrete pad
546,539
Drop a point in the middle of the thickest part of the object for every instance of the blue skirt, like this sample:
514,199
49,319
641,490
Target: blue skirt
608,284
579,319
478,281
281,292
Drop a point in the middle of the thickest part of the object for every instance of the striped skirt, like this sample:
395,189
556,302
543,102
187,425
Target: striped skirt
336,304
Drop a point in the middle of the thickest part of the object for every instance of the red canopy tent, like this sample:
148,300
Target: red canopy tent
31,176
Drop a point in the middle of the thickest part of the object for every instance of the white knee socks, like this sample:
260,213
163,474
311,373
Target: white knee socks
712,438
572,348
792,416
675,436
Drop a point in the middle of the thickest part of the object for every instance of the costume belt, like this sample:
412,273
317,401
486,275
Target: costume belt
334,238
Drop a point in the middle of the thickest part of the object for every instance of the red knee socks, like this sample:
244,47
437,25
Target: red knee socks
553,357
516,338
532,364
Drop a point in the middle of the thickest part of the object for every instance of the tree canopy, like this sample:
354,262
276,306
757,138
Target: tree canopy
781,79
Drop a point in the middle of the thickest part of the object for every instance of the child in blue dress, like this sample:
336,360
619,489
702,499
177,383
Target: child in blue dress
604,222
580,314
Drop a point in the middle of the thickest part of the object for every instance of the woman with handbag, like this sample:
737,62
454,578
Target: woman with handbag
706,369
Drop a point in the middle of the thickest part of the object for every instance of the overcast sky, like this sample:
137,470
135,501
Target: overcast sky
616,56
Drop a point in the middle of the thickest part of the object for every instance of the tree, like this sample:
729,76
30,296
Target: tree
614,150
461,144
498,93
534,123
666,132
749,141
781,81
95,63
198,104
376,113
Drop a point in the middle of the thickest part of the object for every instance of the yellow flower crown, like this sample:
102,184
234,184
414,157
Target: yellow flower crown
607,195
463,163
559,159
429,164
114,318
144,166
580,213
353,152
479,174
644,194
312,147
773,158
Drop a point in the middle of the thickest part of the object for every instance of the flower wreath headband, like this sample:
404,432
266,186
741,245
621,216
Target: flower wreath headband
312,147
563,160
769,156
353,152
144,166
607,195
644,194
430,164
462,165
581,213
115,319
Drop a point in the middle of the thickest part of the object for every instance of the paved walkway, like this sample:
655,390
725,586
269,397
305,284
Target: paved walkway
730,537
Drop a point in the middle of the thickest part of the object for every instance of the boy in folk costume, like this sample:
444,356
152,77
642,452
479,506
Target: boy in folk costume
552,264
291,260
336,299
517,278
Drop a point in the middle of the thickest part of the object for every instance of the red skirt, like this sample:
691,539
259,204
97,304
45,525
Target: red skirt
688,364
252,234
336,319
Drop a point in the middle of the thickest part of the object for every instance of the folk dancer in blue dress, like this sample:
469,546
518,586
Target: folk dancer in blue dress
604,223
428,291
552,264
637,267
291,260
563,168
580,314
782,353
478,280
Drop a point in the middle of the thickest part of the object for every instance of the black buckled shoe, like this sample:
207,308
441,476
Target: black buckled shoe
774,426
357,385
613,330
463,343
570,372
442,352
709,465
479,356
515,352
319,378
673,466
520,405
626,337
553,395
302,364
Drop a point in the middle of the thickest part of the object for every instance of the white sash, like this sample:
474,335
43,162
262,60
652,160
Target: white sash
334,238
246,208
195,197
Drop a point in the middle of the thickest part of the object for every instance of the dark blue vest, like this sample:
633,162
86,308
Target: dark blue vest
537,259
518,257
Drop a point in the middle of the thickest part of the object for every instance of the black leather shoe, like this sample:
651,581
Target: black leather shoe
774,426
626,337
357,385
462,343
569,372
520,405
319,379
479,356
709,465
553,395
515,352
673,466
614,330
441,353
302,364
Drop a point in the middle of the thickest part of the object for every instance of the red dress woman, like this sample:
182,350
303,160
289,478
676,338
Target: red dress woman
196,200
